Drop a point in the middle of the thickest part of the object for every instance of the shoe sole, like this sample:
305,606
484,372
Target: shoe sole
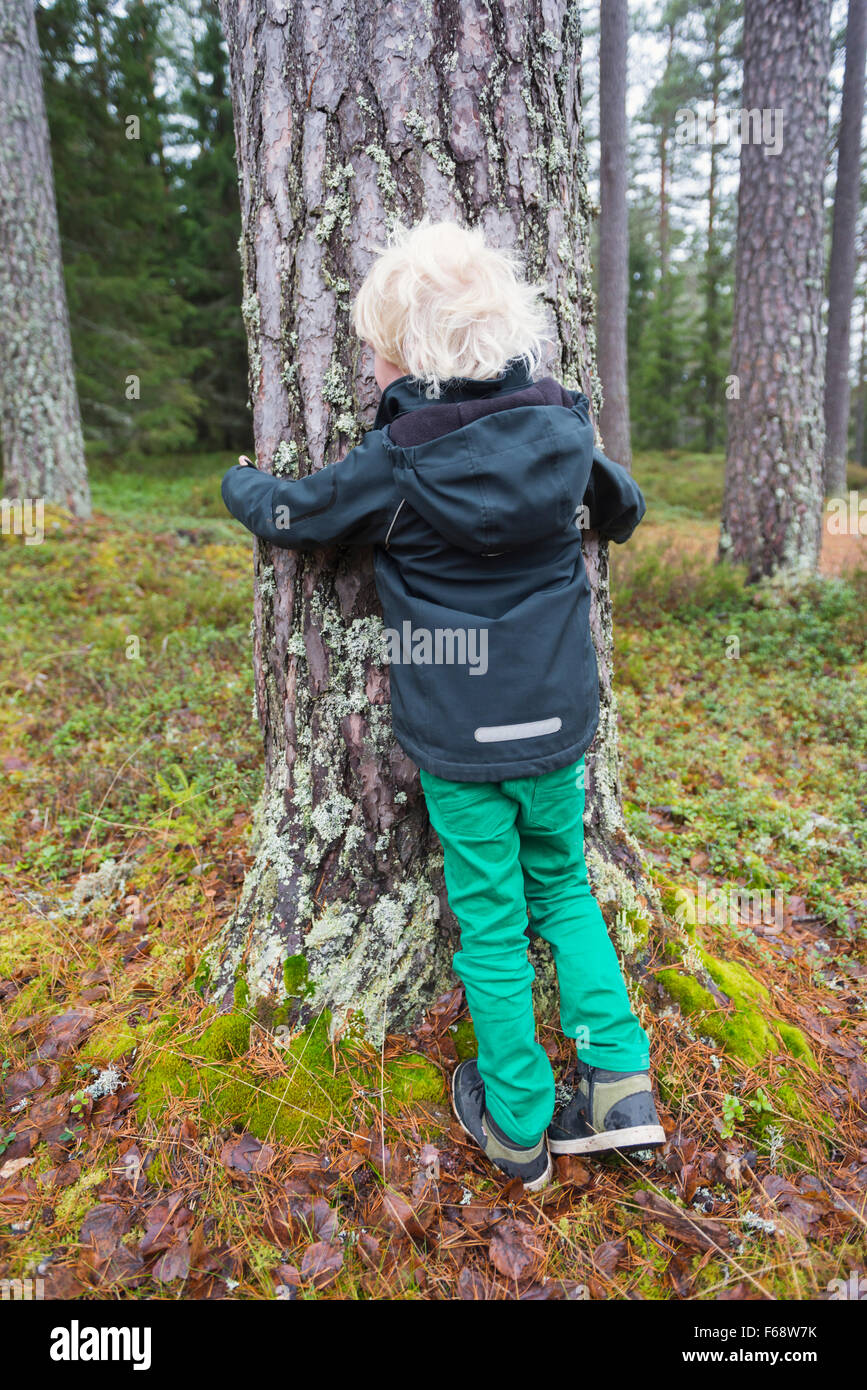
624,1140
537,1183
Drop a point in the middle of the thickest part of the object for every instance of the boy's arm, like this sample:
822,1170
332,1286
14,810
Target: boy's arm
351,501
613,499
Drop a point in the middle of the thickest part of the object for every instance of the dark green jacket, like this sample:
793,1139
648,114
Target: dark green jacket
474,504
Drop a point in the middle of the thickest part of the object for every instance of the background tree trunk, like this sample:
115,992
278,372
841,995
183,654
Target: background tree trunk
718,19
613,231
861,397
772,506
40,427
841,272
349,115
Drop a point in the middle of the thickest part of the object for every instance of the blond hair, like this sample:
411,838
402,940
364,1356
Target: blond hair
439,303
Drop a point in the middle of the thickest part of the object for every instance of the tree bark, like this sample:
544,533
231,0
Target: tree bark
841,272
613,231
40,426
349,115
664,220
861,398
772,506
716,21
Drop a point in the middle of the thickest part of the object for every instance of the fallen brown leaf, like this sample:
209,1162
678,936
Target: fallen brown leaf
515,1248
607,1256
174,1263
66,1031
321,1264
19,1084
570,1168
397,1214
473,1286
246,1155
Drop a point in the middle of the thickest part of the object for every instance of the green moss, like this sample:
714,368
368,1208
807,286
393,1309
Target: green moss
414,1079
228,1036
241,994
18,945
788,1102
159,1172
465,1040
745,1033
654,1262
796,1159
791,1103
686,991
795,1282
678,903
749,1033
797,1044
260,1259
77,1200
162,1028
671,1090
638,925
212,1072
295,975
735,981
113,1039
34,997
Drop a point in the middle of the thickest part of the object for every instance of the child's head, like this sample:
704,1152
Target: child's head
438,303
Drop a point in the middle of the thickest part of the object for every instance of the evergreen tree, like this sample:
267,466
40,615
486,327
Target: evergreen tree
772,508
717,25
119,224
209,271
40,425
680,268
613,260
841,270
658,369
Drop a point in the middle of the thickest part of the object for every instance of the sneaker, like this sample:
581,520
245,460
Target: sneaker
608,1110
532,1164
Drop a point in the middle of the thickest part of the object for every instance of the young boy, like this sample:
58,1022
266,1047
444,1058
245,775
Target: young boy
473,485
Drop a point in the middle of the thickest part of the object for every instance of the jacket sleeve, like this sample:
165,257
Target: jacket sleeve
351,501
613,499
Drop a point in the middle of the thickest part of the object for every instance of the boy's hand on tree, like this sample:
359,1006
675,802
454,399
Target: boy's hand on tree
245,462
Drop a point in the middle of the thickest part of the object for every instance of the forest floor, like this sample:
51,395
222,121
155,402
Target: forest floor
151,1150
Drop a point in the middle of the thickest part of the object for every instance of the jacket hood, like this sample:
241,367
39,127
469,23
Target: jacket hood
495,468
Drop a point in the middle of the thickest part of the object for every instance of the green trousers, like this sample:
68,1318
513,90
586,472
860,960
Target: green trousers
511,847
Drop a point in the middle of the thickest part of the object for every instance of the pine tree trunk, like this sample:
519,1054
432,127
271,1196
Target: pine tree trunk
841,273
347,116
613,231
861,398
40,426
711,337
773,491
